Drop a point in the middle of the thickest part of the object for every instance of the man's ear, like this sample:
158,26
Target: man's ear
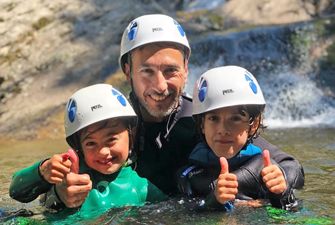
127,71
202,126
186,69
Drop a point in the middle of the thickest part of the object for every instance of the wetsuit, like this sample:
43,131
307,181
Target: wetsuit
199,177
122,188
160,153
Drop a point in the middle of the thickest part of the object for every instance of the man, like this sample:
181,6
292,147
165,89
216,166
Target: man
154,57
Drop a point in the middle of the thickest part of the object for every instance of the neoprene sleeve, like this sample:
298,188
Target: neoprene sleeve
27,184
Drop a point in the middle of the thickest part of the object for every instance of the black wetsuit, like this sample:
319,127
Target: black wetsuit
158,158
199,177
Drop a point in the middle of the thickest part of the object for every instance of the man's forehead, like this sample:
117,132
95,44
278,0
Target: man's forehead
157,46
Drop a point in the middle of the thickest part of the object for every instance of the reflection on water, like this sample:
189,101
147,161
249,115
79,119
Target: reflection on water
19,154
314,148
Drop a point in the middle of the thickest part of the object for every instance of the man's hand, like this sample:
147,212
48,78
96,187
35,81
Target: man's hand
74,190
272,175
226,188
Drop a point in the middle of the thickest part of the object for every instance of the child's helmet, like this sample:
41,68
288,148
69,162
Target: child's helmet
149,29
93,104
226,86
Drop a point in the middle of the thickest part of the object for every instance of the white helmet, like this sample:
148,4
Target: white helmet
226,86
93,104
149,29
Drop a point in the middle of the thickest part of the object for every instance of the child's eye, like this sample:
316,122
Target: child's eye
112,139
238,118
90,144
213,118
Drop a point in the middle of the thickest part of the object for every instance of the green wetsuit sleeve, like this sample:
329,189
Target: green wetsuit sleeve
27,184
155,194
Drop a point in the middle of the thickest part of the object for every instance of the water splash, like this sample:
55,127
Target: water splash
294,100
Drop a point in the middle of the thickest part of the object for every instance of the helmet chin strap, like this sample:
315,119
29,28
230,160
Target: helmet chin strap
130,158
251,137
169,128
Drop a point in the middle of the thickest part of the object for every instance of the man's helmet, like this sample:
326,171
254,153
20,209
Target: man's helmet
150,29
93,104
226,86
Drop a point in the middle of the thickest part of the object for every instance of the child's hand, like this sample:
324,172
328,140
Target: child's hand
272,175
54,169
226,187
72,155
74,189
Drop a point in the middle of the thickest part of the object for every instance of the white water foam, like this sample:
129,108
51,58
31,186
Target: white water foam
295,101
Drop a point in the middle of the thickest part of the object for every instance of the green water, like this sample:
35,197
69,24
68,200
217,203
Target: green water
20,154
314,148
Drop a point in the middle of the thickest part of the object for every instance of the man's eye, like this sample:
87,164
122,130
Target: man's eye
170,70
147,71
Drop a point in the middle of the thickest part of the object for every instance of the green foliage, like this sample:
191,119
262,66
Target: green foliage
207,18
287,217
329,60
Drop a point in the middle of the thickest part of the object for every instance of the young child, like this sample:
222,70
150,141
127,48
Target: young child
228,108
98,125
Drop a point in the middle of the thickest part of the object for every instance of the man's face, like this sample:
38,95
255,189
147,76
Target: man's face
158,76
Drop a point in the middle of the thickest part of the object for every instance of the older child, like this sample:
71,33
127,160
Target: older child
228,105
98,124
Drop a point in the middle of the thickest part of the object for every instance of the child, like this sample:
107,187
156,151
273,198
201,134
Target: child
98,124
228,108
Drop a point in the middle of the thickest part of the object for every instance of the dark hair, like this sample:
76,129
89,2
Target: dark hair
254,111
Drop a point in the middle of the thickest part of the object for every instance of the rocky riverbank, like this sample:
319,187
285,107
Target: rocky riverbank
48,49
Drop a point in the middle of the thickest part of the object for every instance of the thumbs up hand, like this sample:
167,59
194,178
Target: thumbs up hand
54,170
226,188
272,175
73,157
75,187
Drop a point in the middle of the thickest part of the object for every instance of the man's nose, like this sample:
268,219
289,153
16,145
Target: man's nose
160,82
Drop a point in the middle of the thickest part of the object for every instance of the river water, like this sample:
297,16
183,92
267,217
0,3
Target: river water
302,122
313,147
